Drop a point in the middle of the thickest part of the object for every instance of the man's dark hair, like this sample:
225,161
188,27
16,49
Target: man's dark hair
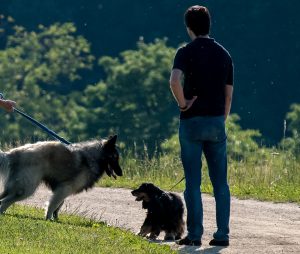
197,18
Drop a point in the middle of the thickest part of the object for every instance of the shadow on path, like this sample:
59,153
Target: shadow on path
194,249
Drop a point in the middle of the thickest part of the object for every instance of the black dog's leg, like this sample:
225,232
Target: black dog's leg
170,236
180,228
154,233
177,237
146,228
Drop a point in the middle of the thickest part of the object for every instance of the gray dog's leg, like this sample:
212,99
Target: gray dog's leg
57,199
14,194
3,195
55,213
8,201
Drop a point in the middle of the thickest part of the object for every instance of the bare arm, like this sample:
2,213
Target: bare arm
228,99
176,87
177,90
8,105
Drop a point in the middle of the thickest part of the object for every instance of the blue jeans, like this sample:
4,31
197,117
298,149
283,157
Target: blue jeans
205,134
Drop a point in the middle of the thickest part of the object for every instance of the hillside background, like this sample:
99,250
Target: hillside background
262,36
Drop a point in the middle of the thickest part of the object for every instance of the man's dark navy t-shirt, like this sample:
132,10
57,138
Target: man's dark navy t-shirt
207,69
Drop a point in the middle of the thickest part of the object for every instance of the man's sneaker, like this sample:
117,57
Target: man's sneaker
215,242
187,241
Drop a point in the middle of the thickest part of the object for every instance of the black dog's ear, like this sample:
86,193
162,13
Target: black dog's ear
111,142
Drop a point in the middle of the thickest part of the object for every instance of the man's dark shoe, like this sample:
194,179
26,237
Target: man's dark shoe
215,242
187,241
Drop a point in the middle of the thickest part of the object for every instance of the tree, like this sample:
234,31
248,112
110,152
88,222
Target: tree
292,143
241,142
134,100
30,63
293,117
260,77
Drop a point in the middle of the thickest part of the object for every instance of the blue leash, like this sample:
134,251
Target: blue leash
177,183
43,127
52,133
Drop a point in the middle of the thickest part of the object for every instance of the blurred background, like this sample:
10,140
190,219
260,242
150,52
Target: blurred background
92,68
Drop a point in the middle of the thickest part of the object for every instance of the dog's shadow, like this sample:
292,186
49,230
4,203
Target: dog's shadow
195,249
191,249
82,222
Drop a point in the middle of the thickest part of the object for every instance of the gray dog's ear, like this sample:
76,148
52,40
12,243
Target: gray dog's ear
111,142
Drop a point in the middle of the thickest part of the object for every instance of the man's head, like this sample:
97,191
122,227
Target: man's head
197,19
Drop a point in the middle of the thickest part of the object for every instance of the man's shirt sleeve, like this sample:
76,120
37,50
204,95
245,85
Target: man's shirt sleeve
180,60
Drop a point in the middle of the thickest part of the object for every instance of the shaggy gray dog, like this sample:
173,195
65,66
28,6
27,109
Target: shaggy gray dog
65,169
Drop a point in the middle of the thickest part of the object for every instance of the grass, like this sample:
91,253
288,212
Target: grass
24,230
261,173
264,175
268,175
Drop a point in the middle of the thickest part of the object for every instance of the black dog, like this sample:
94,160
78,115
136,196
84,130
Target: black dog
165,212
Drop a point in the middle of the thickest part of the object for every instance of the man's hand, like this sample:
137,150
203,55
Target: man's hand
188,104
177,90
8,105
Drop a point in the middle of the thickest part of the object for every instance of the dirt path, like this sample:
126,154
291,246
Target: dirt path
256,227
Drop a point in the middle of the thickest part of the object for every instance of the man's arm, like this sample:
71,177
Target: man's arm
176,87
228,99
177,90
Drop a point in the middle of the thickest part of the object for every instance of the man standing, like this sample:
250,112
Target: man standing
204,101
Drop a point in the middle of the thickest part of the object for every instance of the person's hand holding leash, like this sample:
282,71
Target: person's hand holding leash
8,105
